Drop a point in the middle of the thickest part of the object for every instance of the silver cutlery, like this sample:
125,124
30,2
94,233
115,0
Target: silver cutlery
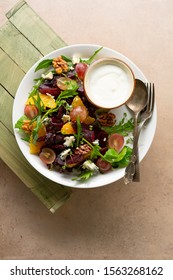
145,115
132,172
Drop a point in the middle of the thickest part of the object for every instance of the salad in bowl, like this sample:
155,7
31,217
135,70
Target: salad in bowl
64,136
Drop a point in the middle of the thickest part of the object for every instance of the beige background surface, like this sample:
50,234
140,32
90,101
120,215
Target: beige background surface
115,221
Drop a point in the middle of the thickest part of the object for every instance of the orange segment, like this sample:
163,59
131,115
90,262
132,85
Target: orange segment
77,101
30,100
89,120
67,128
36,147
47,100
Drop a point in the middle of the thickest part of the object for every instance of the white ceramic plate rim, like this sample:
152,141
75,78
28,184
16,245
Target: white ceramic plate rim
83,50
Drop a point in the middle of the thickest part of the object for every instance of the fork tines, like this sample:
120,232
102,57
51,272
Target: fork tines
151,96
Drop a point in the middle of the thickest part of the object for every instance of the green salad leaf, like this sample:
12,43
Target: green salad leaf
66,58
43,64
36,129
126,159
95,150
89,60
124,127
35,87
38,103
112,156
84,175
79,131
20,122
19,125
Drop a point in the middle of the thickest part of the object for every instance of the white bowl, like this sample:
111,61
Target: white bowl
109,82
84,51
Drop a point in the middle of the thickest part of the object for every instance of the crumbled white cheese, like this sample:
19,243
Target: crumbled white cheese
65,153
46,121
53,97
75,59
104,139
96,142
90,127
48,76
65,118
69,140
88,164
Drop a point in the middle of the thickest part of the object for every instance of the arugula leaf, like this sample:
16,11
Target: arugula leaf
85,175
95,150
34,135
115,159
26,138
44,64
50,111
66,58
35,87
66,94
38,103
123,127
79,130
89,60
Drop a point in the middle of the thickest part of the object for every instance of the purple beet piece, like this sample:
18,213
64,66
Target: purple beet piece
74,160
52,139
102,136
71,74
89,135
54,91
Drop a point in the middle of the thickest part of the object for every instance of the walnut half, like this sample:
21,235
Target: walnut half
106,119
60,65
84,149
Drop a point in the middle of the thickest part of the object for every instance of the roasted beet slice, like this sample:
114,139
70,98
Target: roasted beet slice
89,135
54,126
59,161
80,87
70,161
102,136
74,160
59,139
71,74
103,150
52,139
58,148
51,90
60,113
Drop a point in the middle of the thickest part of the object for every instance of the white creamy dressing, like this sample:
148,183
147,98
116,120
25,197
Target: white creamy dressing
109,85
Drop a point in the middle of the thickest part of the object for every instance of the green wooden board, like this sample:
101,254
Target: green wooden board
20,48
11,75
42,33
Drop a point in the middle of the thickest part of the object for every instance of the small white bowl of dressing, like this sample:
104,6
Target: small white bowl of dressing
109,83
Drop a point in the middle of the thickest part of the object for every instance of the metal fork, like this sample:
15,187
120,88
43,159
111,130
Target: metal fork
145,116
